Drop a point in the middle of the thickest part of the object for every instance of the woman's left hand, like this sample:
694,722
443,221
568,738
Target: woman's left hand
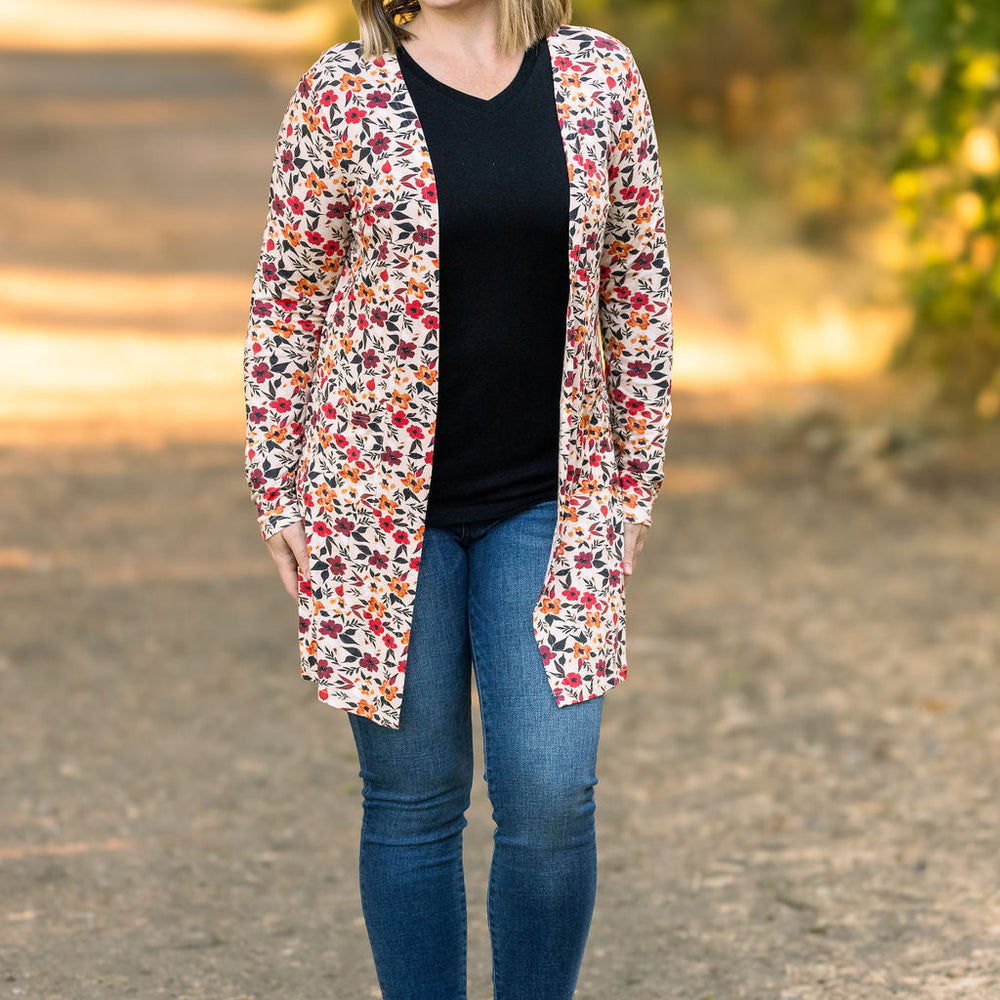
635,538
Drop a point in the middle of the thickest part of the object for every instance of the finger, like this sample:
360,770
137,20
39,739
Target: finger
285,561
629,550
295,536
290,555
289,572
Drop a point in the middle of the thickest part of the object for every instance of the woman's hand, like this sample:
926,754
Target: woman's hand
635,538
288,550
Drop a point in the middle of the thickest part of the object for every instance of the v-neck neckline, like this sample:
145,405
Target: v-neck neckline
498,100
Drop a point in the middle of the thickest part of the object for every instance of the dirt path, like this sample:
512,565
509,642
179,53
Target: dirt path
798,783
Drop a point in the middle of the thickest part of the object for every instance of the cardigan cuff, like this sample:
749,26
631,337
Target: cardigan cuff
637,501
279,516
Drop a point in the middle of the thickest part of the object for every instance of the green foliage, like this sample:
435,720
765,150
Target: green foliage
935,69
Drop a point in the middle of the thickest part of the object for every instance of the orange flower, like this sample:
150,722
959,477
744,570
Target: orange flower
412,482
314,184
619,250
342,151
306,288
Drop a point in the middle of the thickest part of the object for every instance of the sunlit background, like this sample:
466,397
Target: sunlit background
799,782
831,182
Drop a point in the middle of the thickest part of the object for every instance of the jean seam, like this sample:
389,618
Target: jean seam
460,893
490,893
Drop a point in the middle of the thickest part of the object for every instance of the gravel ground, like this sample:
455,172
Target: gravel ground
798,782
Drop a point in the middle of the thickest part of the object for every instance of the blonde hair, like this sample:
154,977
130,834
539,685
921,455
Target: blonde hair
522,22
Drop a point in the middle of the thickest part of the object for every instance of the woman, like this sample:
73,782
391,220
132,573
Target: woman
464,269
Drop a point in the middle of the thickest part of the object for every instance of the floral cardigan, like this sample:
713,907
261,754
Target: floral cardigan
341,365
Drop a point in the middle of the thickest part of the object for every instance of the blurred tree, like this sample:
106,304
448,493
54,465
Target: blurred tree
935,67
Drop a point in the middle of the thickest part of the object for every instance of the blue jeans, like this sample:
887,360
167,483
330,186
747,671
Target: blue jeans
477,586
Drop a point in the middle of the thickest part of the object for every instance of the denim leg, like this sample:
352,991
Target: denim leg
541,765
416,786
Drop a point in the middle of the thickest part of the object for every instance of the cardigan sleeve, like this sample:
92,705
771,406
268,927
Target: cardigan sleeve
635,298
305,243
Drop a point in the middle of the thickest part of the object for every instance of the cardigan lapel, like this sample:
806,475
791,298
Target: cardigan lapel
410,155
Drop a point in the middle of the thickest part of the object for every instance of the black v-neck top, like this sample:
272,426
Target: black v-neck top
503,201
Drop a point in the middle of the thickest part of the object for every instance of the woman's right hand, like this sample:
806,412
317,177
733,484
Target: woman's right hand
289,552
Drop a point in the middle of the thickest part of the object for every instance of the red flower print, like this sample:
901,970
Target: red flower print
573,680
638,368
